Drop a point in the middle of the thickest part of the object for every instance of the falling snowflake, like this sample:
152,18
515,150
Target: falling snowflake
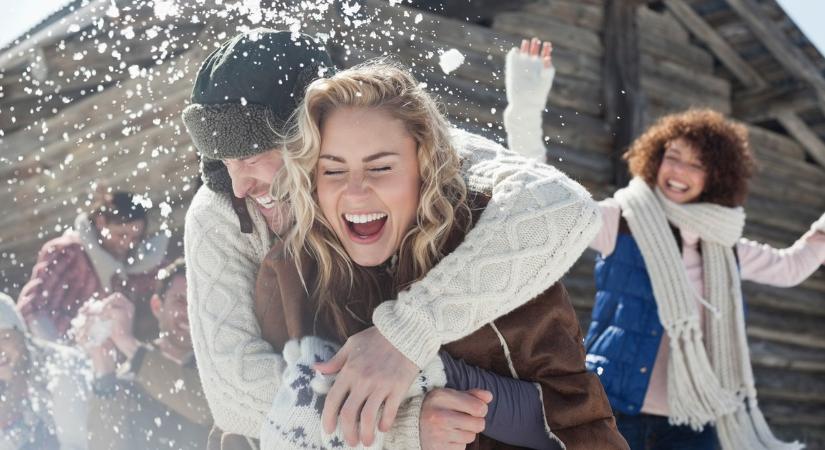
450,60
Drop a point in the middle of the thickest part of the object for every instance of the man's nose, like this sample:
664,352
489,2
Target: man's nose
241,186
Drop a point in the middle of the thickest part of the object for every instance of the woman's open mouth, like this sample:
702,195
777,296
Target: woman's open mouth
365,228
677,186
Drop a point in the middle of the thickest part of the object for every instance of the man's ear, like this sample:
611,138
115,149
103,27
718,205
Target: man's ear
156,304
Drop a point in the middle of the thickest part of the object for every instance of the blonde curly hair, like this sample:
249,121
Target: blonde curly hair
442,202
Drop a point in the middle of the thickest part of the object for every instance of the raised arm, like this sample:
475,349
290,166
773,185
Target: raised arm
783,267
239,370
528,77
536,225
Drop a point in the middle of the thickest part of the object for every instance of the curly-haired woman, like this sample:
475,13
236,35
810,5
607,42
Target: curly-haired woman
374,185
667,335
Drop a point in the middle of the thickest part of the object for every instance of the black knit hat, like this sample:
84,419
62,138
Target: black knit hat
245,93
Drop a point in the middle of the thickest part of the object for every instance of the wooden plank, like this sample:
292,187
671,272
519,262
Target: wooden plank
109,131
668,93
794,338
779,214
797,128
547,29
624,97
573,12
685,79
685,54
766,105
705,33
777,189
789,357
486,71
762,140
779,45
75,116
662,23
75,20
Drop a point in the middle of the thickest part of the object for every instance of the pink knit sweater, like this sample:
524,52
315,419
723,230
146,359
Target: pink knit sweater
758,262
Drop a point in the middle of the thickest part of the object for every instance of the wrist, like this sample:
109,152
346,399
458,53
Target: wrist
102,364
128,345
409,330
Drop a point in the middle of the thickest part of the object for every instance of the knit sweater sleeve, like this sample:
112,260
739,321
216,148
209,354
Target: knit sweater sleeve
537,223
239,371
782,267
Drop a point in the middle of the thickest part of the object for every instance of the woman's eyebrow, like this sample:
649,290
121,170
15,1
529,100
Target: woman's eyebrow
333,158
366,159
378,155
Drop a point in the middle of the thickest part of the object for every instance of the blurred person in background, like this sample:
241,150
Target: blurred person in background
43,389
106,251
154,397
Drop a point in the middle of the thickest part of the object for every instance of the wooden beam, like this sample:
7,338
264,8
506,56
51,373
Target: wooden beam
806,340
76,20
726,54
797,128
622,80
766,105
778,44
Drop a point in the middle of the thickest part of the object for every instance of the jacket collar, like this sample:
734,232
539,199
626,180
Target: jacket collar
146,256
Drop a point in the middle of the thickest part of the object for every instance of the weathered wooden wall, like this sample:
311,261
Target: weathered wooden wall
130,134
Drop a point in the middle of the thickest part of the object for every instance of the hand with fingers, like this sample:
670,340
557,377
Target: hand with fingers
91,333
528,75
121,312
370,374
294,421
451,419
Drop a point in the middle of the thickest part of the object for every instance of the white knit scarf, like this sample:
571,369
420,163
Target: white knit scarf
709,380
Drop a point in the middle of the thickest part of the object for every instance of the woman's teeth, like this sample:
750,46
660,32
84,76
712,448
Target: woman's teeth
364,218
677,185
266,201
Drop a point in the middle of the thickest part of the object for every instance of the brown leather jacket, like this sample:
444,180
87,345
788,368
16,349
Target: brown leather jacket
541,341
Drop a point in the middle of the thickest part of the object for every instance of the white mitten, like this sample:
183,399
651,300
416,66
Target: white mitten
431,377
819,225
528,83
294,421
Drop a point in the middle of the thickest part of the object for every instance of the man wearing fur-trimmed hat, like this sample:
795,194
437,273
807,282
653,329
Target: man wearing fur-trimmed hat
243,97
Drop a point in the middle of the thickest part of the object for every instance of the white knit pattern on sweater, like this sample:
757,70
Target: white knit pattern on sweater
536,225
240,371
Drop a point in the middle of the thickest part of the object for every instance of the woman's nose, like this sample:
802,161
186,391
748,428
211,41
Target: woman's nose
356,185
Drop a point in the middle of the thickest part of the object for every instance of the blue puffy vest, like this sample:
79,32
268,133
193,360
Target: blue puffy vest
625,331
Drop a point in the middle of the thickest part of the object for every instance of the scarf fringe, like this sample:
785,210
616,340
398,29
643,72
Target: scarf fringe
695,397
747,429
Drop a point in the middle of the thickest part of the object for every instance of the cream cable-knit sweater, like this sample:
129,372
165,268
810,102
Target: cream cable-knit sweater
536,225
